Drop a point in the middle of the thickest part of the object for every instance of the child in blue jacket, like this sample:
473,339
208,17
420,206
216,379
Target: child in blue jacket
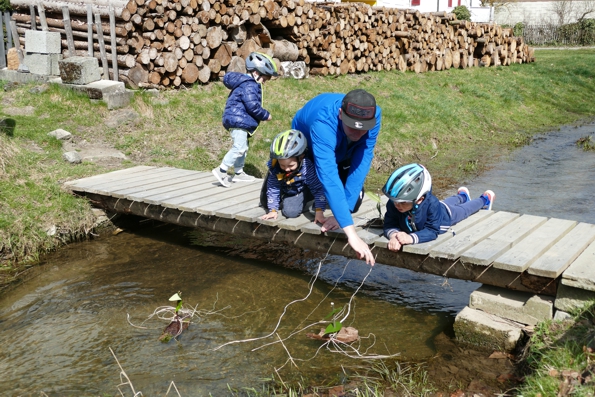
414,215
291,181
243,112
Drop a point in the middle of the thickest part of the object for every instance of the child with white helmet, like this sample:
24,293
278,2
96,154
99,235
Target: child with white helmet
291,181
243,112
414,215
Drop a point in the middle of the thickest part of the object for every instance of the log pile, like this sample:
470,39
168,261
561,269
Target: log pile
169,43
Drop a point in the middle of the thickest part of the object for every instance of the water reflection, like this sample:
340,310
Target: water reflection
58,326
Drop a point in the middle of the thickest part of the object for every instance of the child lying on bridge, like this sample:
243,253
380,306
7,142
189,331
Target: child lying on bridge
291,181
414,215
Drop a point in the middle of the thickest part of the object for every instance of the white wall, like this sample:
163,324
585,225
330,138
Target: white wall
538,12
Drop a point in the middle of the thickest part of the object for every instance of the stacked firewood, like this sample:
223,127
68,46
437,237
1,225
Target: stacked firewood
168,43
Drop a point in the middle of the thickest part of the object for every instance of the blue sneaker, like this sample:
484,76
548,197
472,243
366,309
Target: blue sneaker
488,196
463,191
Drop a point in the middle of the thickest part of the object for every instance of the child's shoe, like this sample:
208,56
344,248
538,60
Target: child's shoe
463,191
488,197
221,177
242,177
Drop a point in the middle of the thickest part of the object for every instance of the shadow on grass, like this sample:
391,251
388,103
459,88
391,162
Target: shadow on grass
7,126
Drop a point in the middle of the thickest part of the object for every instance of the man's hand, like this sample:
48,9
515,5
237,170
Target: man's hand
330,223
358,245
393,243
404,238
270,215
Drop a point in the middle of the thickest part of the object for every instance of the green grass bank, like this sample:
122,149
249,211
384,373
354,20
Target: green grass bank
455,122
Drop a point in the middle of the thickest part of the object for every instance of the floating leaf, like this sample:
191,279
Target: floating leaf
374,196
333,327
332,313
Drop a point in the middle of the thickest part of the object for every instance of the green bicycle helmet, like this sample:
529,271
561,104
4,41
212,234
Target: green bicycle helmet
290,143
262,63
408,183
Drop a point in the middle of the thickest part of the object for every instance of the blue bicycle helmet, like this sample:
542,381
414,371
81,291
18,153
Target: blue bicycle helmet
408,183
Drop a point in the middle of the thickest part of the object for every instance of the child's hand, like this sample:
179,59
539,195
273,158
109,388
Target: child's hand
404,238
319,218
270,215
270,117
393,243
329,224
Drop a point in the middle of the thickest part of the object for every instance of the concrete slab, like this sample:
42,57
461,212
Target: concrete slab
18,77
569,298
43,42
521,307
79,70
119,99
46,64
486,331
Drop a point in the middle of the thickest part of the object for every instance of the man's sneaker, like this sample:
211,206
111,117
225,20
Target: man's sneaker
242,177
221,177
463,191
488,196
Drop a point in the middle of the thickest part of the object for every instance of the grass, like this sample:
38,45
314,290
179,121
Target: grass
455,122
561,357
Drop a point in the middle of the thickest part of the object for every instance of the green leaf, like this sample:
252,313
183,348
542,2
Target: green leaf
333,327
335,311
374,196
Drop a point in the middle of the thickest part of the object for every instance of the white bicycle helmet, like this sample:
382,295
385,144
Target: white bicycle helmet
290,143
262,63
408,183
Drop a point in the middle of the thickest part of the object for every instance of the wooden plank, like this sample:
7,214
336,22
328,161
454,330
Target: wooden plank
110,176
148,182
233,210
245,199
250,215
216,194
581,272
161,186
369,235
522,255
181,192
425,248
495,245
555,260
137,180
461,242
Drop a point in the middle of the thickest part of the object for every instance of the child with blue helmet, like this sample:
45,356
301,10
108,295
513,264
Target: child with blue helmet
414,215
243,112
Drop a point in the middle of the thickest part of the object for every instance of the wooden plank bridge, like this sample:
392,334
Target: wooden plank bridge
504,249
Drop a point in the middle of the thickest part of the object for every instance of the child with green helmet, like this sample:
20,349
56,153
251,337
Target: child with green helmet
243,112
291,181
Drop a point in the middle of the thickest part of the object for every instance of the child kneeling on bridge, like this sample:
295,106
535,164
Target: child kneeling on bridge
291,181
414,215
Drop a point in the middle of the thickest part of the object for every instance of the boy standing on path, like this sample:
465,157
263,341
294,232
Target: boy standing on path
414,215
342,131
243,112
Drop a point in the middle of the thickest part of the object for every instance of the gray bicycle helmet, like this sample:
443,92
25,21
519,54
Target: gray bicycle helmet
408,183
262,63
290,143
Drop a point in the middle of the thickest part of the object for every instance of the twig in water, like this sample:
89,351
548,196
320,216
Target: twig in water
123,374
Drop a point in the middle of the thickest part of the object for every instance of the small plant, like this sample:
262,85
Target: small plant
335,325
519,29
586,143
462,13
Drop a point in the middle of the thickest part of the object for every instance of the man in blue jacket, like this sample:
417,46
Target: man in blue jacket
342,131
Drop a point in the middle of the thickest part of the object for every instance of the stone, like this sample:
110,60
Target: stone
60,134
522,307
43,42
72,157
562,316
486,331
44,64
79,70
118,100
570,298
98,89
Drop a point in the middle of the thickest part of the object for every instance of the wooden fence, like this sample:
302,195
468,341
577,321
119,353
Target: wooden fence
557,35
6,41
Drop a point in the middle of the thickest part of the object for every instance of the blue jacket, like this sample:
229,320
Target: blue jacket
319,121
278,185
431,218
243,108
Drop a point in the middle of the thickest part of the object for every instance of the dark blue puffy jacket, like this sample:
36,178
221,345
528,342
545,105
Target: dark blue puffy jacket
243,108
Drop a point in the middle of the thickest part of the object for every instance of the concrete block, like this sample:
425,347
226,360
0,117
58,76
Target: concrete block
79,70
98,89
486,331
18,77
562,316
118,100
61,134
43,42
522,307
570,298
45,64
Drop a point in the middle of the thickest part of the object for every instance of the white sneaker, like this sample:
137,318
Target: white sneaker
221,177
242,177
